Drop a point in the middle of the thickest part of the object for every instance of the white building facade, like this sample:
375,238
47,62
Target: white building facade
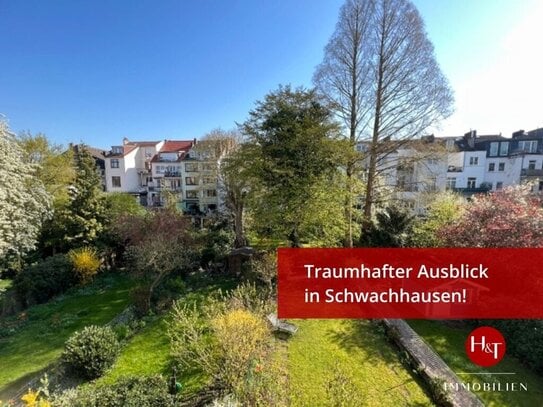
155,171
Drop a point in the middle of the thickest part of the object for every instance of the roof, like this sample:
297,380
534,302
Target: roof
171,146
96,152
480,142
181,156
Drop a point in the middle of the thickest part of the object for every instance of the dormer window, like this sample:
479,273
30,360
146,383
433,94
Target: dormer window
528,146
117,149
504,148
493,149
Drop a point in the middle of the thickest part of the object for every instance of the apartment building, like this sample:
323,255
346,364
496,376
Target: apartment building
470,164
410,171
490,163
155,171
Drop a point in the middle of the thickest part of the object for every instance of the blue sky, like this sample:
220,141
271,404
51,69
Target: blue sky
97,71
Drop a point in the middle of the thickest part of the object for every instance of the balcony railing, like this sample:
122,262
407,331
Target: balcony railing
527,172
172,174
469,191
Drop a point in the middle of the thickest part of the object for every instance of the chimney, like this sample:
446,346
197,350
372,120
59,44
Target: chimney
470,137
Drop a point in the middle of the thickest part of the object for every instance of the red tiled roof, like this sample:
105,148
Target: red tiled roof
128,148
171,146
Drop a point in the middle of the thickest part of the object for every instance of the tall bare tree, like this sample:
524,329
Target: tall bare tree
381,75
343,79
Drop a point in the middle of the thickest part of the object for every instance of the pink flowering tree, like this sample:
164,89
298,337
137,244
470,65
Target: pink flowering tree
512,217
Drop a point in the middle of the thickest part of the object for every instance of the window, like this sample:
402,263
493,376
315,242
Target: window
491,166
210,180
451,183
117,150
504,148
191,181
493,149
499,185
473,160
531,165
116,182
210,193
208,167
432,161
472,182
432,184
501,167
449,145
540,186
114,163
529,146
192,194
191,167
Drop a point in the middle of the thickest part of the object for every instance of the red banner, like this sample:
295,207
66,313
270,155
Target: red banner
443,283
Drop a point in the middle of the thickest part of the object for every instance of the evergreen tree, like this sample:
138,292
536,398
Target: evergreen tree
291,149
86,213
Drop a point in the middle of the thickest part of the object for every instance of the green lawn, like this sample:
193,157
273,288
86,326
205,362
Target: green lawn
148,352
360,350
449,344
4,284
40,332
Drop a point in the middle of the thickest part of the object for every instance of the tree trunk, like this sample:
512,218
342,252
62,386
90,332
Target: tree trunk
294,238
368,201
349,207
240,239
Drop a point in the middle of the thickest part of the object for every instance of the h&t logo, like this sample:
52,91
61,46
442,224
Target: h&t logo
485,346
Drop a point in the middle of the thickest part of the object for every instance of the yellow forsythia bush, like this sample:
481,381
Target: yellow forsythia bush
31,399
85,262
241,338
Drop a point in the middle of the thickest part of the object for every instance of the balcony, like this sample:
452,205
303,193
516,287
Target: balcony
471,191
527,172
454,168
172,174
143,170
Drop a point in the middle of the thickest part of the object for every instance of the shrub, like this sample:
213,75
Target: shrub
241,337
45,279
32,399
524,339
221,342
147,391
85,262
91,351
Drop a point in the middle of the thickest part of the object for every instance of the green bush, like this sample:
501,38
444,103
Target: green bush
524,339
148,391
91,351
41,281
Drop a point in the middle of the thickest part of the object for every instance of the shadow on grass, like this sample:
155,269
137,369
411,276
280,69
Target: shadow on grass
366,335
370,336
